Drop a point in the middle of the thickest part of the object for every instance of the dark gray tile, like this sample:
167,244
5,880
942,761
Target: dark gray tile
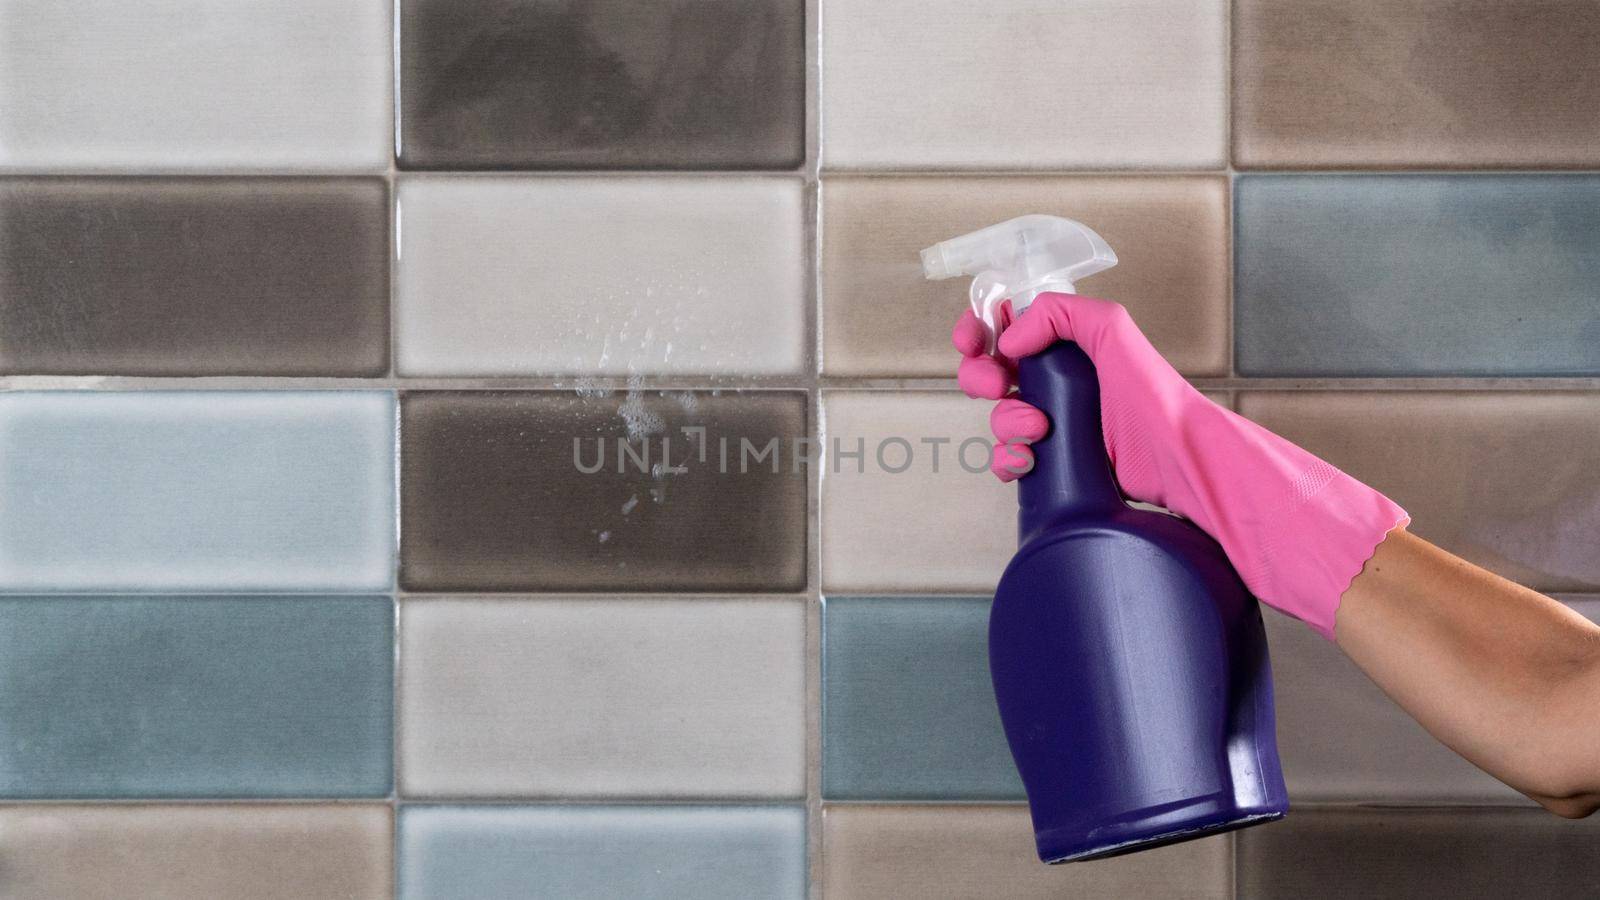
605,84
196,696
1409,854
602,852
493,497
1345,275
130,276
908,709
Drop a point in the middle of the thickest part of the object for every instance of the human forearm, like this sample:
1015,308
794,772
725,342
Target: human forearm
1507,677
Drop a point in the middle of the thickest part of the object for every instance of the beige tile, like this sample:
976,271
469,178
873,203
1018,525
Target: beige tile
1510,481
1016,84
600,276
881,318
931,852
241,852
1428,83
944,530
602,698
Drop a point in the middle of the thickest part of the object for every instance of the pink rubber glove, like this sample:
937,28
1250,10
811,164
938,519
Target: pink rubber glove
1297,529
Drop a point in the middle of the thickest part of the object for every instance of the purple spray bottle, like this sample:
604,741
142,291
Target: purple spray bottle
1129,661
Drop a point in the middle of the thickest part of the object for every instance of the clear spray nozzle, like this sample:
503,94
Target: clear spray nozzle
1018,260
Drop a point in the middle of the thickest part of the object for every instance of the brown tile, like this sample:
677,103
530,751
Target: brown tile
195,851
1426,83
872,851
1510,481
1411,854
493,499
608,83
881,318
130,276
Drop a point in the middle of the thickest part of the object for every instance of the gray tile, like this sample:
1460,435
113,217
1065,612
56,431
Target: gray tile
195,85
611,84
195,851
197,491
1413,854
1344,275
197,696
933,852
601,276
602,852
495,497
1507,480
194,277
908,709
1415,83
603,697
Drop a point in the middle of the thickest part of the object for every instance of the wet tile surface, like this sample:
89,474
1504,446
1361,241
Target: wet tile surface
195,696
887,531
1510,481
601,276
974,851
603,698
1418,275
738,853
959,87
195,85
194,277
1396,853
908,708
495,494
533,83
881,318
197,491
195,852
1430,83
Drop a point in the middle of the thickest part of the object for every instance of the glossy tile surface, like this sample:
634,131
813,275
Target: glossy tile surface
949,84
195,85
534,83
601,276
1427,83
937,852
908,711
197,491
919,529
495,496
1418,275
195,852
195,696
1343,740
881,318
1510,481
602,698
1459,854
601,852
194,277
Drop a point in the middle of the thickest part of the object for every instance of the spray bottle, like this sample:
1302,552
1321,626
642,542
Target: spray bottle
1129,661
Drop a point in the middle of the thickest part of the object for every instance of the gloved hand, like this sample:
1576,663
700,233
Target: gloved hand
1297,529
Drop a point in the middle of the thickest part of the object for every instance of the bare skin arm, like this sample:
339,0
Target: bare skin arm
1504,676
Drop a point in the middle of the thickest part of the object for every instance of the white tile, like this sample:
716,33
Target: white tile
163,85
1023,84
613,276
602,698
920,529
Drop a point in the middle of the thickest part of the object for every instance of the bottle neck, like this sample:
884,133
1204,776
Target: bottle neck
1071,474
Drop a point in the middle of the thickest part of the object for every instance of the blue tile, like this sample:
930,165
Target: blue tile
1419,275
119,697
908,709
577,852
197,491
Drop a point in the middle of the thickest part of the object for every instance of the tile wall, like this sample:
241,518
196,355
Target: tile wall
447,449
